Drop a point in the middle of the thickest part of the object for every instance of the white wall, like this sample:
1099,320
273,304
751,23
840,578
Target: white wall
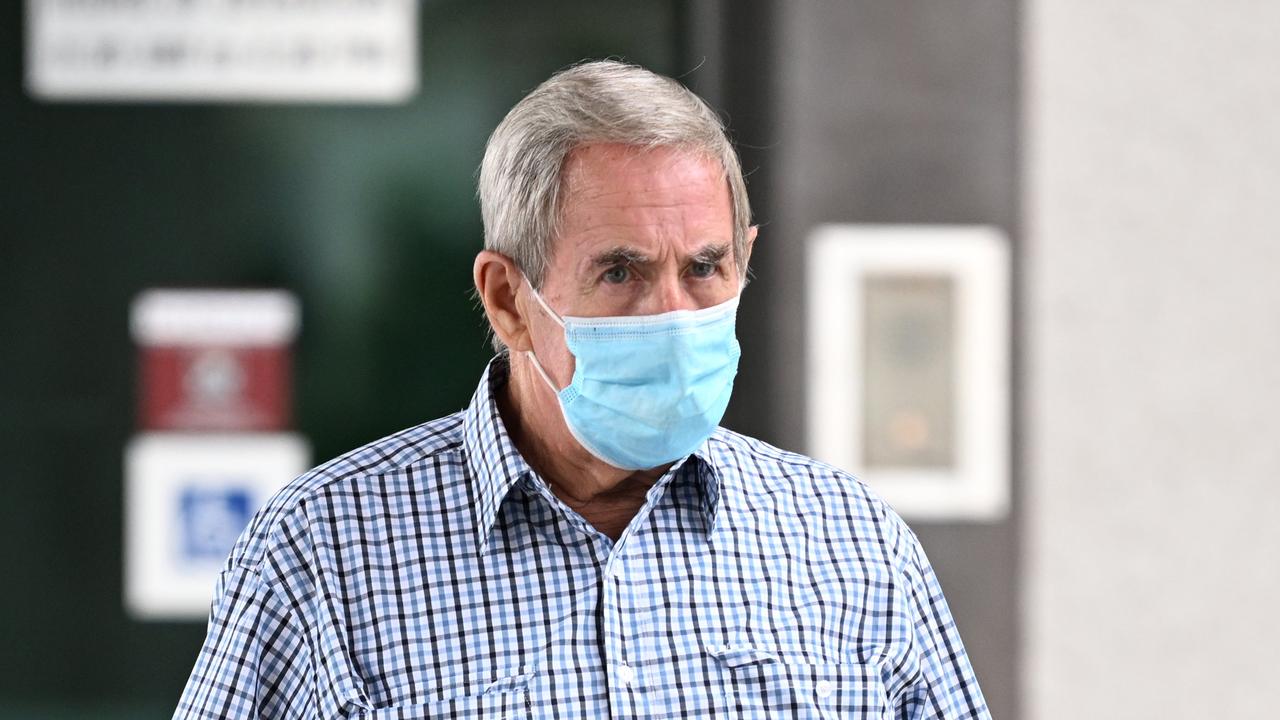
1152,256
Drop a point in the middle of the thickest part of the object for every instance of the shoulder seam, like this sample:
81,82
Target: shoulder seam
290,499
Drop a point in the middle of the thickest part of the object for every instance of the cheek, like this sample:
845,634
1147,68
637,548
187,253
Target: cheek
548,344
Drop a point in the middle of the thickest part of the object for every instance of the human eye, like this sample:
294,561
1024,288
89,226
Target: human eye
617,274
703,269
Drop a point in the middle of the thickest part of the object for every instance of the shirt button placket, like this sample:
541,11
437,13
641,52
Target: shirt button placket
622,675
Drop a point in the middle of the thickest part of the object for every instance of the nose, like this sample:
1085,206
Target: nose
669,294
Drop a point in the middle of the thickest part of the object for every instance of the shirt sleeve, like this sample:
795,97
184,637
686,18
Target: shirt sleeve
946,686
255,662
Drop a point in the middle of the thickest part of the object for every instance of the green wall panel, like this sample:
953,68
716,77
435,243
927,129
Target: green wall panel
367,213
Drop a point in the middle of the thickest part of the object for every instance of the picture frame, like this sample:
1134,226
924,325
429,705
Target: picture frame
908,364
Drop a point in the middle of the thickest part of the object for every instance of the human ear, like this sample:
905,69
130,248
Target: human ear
498,282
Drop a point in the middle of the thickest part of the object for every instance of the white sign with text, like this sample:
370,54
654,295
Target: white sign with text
358,51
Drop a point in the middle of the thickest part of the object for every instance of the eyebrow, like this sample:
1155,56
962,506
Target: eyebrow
624,255
712,254
627,255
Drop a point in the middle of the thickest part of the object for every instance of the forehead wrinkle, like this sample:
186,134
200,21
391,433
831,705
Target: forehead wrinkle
627,217
602,194
574,185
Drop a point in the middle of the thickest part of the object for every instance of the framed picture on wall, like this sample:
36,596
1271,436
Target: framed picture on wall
908,364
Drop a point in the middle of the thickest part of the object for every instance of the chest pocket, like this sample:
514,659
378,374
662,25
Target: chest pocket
761,684
504,699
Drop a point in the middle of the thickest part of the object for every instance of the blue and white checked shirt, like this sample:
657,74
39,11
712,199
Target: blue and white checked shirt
433,574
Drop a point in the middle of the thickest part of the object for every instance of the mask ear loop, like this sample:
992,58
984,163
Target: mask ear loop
554,316
538,296
545,378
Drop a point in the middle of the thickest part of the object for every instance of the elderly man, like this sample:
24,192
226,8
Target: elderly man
583,541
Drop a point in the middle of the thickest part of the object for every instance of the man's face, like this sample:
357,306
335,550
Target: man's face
641,233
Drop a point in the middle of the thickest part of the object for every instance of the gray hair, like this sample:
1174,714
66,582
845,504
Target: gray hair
593,102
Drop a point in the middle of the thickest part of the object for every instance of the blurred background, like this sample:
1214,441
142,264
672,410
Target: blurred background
1129,150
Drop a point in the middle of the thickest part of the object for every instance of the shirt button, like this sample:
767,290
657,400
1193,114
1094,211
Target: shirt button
626,674
825,688
615,571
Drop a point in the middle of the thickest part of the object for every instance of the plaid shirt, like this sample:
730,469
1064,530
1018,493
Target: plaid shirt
433,574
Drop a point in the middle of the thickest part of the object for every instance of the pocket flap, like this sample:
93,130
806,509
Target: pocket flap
511,683
734,656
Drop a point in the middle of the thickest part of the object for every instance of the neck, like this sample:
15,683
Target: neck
606,496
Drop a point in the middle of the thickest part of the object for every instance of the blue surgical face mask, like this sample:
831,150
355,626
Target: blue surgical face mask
647,389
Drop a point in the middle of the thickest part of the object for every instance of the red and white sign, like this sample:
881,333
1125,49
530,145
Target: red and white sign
215,360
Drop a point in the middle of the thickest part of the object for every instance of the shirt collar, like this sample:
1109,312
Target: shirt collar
496,465
711,476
